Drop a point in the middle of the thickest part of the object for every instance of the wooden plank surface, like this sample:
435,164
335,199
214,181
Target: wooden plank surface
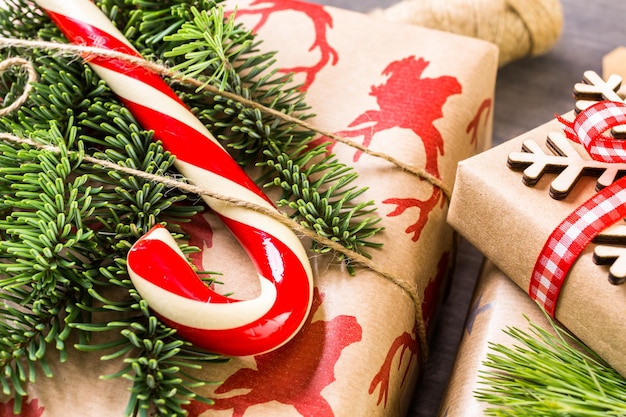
528,93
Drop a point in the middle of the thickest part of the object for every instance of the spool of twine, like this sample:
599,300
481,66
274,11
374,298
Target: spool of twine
520,28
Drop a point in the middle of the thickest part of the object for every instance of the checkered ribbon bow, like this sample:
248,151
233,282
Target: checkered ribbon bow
604,209
588,128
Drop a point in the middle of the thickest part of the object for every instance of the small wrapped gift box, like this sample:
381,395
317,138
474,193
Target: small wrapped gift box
510,222
498,303
426,103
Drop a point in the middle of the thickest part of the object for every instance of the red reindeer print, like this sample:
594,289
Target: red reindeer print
432,292
424,207
321,20
485,107
293,375
409,341
29,408
407,100
406,341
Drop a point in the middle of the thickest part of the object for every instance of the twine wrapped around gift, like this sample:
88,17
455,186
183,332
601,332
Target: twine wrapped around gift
520,28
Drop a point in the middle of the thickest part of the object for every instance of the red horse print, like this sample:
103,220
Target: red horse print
409,341
293,375
321,21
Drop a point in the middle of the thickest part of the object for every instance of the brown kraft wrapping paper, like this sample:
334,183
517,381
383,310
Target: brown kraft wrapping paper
426,103
510,222
497,304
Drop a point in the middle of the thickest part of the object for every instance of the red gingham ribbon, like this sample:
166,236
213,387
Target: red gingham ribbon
589,126
602,210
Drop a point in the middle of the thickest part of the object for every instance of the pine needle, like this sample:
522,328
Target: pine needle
546,374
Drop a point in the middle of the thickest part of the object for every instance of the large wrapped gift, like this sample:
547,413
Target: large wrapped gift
546,219
497,304
427,104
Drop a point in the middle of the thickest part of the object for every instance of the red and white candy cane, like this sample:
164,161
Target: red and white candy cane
156,265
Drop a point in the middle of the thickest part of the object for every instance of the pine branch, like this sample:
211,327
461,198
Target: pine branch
315,185
154,360
325,204
549,375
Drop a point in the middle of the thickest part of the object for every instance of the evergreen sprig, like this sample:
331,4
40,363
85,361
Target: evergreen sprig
67,224
549,374
313,183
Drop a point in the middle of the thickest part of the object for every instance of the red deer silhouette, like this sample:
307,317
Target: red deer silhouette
293,375
408,101
408,341
321,20
29,408
425,206
433,290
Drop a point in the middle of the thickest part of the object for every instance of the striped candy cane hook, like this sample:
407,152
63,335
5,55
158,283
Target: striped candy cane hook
156,265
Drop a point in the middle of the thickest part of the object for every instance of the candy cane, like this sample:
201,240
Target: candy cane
156,265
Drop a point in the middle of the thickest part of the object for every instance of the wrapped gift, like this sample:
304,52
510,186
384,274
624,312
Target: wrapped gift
359,353
515,213
427,104
497,304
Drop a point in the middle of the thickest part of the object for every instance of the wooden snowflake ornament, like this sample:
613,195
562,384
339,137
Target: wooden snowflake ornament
594,89
611,250
567,159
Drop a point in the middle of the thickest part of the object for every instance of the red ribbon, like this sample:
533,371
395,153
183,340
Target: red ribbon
588,128
602,210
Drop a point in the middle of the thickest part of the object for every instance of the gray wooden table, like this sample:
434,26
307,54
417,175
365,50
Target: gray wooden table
528,93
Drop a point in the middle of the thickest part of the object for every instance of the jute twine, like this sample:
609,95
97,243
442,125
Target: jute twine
32,77
519,28
356,259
